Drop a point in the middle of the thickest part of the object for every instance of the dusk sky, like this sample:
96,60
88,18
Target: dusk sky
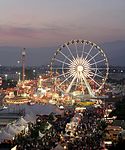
49,23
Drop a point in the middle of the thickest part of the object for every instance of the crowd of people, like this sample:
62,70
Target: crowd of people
50,131
89,132
47,142
41,138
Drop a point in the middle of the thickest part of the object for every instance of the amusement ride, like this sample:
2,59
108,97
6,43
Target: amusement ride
78,70
79,67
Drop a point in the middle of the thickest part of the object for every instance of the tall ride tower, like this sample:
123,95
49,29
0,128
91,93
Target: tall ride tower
23,64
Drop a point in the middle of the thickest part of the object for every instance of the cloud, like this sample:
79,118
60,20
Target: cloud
28,36
18,31
54,34
32,36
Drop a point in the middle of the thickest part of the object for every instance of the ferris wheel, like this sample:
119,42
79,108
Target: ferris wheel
80,65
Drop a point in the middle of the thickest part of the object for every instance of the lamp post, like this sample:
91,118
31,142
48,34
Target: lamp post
34,73
6,75
18,62
19,76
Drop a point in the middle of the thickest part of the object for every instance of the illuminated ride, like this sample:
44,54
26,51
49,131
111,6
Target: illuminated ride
79,66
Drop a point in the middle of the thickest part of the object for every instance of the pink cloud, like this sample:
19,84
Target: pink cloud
51,35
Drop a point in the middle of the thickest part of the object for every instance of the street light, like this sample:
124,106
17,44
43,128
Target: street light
34,73
18,75
18,61
6,76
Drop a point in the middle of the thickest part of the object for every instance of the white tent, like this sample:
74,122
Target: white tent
41,135
9,129
58,147
5,136
21,128
49,126
18,129
14,129
21,122
29,118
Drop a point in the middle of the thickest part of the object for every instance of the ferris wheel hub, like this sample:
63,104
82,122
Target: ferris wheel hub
80,68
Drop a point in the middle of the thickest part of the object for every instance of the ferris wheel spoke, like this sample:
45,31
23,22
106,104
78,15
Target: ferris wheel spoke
89,52
99,71
65,79
63,74
76,50
83,49
99,68
65,56
97,75
60,89
97,62
76,84
77,80
82,84
70,86
61,68
62,61
94,56
69,51
87,85
94,81
76,62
